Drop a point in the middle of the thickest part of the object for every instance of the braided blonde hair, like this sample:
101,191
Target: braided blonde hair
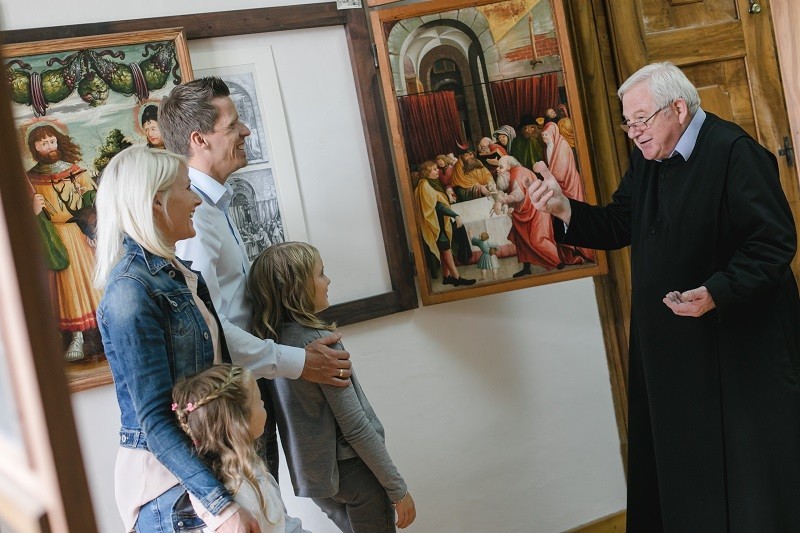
213,409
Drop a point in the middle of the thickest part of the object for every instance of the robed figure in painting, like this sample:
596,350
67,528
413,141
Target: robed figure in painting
561,161
438,224
714,400
63,196
531,231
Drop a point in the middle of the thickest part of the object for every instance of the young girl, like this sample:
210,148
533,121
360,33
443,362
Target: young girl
333,441
221,410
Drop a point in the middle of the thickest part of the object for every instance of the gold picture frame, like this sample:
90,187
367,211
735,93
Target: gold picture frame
503,63
77,102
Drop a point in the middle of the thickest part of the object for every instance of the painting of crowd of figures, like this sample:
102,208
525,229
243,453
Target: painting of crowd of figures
478,94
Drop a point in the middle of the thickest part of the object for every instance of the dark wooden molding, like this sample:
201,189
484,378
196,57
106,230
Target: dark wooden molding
200,25
403,295
371,307
598,82
379,151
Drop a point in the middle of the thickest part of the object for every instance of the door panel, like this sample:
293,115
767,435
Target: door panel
688,45
786,18
659,15
730,80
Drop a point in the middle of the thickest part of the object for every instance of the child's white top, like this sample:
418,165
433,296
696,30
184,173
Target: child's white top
276,520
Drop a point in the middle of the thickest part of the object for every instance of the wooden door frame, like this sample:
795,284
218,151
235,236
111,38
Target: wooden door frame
785,21
52,493
598,81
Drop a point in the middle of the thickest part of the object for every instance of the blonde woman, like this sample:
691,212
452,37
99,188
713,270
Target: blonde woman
157,324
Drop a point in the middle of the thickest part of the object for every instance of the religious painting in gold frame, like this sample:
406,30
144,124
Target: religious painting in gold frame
476,93
76,103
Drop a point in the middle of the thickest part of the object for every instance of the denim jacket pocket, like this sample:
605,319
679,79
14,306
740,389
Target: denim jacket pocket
179,313
184,332
184,517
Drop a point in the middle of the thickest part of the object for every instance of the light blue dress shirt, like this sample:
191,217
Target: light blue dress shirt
218,253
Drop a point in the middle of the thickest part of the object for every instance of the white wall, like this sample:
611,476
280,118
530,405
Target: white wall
498,409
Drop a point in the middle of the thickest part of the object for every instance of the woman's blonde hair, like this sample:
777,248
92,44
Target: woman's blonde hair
125,200
282,289
213,408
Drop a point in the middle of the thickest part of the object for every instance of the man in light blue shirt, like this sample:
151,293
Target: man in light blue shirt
199,121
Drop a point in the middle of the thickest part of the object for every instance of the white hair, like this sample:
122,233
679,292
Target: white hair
503,178
125,201
511,160
666,83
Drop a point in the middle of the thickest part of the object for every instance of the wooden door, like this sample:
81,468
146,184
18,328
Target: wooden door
786,20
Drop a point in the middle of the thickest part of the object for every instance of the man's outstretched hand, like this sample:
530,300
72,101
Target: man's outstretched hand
326,365
547,196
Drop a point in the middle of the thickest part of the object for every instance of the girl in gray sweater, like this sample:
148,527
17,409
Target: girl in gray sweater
333,441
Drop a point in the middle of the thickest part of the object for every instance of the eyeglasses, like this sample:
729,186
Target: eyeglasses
641,125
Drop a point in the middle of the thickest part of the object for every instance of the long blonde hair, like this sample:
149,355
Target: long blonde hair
124,203
282,289
213,409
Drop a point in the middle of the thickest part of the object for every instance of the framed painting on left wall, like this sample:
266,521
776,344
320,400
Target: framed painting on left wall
76,103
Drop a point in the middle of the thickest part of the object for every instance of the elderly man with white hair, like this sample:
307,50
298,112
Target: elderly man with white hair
714,400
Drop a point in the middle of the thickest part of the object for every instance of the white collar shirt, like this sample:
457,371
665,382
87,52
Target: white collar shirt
688,140
218,252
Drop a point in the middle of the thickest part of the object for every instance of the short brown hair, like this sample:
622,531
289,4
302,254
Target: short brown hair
188,108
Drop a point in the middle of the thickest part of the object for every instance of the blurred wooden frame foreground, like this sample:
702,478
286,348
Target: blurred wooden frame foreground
42,480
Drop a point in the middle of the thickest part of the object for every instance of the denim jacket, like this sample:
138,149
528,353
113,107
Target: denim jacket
154,334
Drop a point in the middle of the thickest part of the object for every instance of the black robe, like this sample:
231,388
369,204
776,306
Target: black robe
714,402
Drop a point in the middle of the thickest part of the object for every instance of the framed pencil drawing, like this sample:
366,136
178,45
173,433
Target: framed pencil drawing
476,93
76,103
266,207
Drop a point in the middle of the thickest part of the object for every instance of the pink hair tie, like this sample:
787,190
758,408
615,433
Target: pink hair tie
190,407
174,406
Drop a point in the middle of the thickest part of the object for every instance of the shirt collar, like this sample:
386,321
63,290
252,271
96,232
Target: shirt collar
688,140
154,262
212,190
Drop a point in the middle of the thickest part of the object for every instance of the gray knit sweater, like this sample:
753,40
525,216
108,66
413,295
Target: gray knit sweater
322,424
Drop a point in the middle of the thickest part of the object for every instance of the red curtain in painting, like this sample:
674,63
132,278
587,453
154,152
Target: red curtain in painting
513,99
431,125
